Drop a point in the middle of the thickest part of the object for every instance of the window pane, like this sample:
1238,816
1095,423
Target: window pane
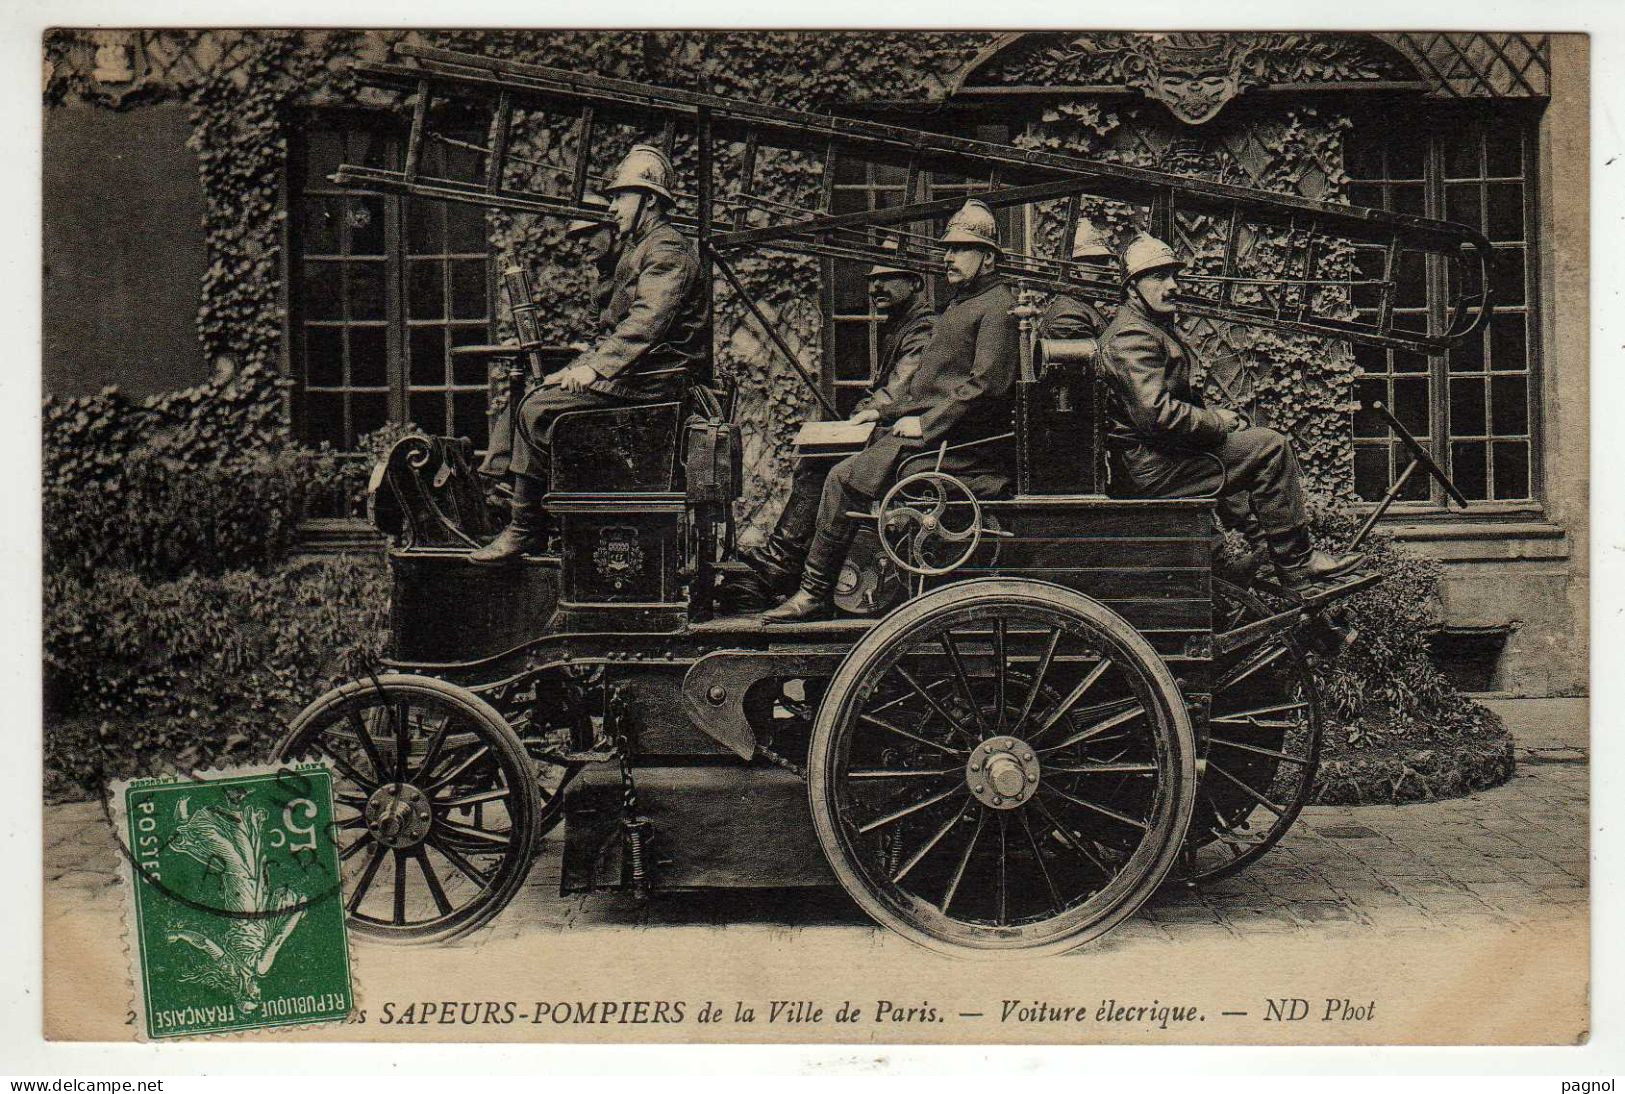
1411,404
427,348
851,288
366,290
323,295
1366,194
1468,354
1418,487
321,225
366,225
1411,281
1505,209
1467,469
1467,407
1370,359
428,411
465,229
1371,471
1461,153
324,419
369,357
323,152
1507,276
1507,346
1408,199
425,294
324,356
1406,361
1503,148
425,221
1407,148
1362,158
852,361
371,149
468,416
369,410
469,370
1367,423
1509,406
468,289
1511,470
1461,204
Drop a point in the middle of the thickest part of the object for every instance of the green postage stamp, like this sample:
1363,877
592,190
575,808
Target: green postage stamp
236,920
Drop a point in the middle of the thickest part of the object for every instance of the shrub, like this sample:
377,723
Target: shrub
197,671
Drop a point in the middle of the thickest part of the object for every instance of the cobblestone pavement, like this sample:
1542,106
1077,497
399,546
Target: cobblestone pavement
1513,855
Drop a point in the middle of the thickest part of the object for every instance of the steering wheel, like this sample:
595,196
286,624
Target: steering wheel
930,524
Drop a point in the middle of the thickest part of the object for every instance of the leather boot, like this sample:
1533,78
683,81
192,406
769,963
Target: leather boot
1316,568
776,564
814,599
1239,569
526,531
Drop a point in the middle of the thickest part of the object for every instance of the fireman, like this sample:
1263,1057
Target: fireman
656,337
1066,316
1166,442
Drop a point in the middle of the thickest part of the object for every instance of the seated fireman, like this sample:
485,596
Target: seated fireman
958,393
1166,442
899,295
1067,316
655,336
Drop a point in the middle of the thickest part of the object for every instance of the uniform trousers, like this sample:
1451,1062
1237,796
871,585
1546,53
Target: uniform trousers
1253,472
533,458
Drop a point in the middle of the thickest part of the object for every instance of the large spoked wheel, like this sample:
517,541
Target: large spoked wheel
435,800
1001,765
1263,747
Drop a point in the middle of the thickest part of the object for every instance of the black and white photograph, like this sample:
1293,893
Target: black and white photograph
909,536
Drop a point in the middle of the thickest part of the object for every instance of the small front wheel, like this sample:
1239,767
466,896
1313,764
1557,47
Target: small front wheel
1001,765
435,800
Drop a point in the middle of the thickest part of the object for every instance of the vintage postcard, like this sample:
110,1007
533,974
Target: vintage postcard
939,536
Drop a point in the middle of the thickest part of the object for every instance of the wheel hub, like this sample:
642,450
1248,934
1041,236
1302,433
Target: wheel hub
398,815
1003,772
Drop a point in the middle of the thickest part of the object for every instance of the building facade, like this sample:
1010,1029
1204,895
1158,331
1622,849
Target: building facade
189,217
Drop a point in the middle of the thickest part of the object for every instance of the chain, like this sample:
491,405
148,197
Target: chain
779,761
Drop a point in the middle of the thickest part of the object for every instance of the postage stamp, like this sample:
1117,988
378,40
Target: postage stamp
236,922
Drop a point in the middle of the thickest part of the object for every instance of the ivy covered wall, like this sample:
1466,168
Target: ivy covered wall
245,90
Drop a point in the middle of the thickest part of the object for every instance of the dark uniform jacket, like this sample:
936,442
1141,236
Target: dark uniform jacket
655,315
903,339
1068,317
961,389
1152,403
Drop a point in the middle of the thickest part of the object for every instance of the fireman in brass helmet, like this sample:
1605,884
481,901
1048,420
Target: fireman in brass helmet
594,241
1166,442
655,336
1068,316
958,393
899,296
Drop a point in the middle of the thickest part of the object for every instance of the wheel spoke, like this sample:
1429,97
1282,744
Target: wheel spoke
444,780
1101,769
1254,723
1038,676
368,745
368,872
1004,858
1247,668
431,752
925,848
910,810
999,684
964,680
1069,839
942,712
964,861
1103,810
1256,750
494,794
1098,728
399,715
1279,811
921,773
1277,708
495,839
1038,857
362,841
463,865
939,746
1071,700
344,768
398,911
433,881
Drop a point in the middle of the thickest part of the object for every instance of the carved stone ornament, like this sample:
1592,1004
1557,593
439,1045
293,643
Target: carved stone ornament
1194,75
